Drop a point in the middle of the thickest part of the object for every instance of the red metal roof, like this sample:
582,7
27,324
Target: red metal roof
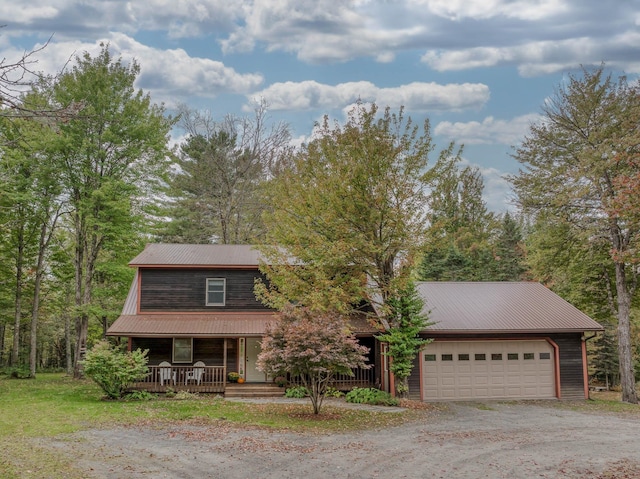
163,254
195,325
500,307
206,325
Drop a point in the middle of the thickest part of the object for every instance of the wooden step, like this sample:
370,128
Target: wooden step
253,390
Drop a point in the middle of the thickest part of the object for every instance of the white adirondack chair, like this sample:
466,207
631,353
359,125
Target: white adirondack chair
196,374
166,373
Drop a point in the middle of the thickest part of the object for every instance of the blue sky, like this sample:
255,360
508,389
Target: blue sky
480,70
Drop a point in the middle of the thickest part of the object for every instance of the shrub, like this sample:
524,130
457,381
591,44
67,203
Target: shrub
333,393
114,370
371,396
298,392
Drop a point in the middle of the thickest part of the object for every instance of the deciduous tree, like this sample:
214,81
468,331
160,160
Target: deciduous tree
571,160
312,347
110,159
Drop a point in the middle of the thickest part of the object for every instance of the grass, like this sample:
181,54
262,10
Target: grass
32,411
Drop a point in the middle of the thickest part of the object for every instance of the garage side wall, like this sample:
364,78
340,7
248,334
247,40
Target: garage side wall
571,367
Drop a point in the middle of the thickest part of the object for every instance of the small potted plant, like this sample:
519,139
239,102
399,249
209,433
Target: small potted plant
280,381
233,377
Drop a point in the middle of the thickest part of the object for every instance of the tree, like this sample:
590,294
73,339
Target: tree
216,187
31,206
572,160
18,76
457,245
349,209
509,251
403,339
312,347
110,159
348,215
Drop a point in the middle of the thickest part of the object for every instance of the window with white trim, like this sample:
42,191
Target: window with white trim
182,350
216,288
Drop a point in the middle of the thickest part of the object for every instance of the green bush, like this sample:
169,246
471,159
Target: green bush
371,396
333,393
114,370
298,392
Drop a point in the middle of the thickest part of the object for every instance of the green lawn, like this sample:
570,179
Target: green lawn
33,410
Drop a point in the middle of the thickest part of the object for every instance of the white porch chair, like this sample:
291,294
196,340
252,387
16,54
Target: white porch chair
166,373
195,374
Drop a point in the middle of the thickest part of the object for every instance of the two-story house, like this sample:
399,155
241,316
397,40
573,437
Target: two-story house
193,307
194,304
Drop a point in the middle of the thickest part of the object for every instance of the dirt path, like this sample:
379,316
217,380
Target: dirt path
469,441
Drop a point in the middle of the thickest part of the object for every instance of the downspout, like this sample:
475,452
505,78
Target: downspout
585,366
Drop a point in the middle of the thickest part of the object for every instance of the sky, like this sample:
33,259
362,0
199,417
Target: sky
479,70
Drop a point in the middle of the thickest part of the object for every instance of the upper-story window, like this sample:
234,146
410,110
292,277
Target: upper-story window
216,291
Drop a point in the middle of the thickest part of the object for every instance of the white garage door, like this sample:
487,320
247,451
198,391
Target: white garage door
462,370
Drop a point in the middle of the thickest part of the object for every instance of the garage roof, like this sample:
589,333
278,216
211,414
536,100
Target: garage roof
505,307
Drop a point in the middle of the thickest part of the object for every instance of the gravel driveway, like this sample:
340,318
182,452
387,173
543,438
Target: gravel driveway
492,440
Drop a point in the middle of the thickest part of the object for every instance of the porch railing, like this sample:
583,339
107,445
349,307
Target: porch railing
361,378
183,378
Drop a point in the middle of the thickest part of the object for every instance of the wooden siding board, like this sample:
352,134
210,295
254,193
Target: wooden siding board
184,290
414,380
571,368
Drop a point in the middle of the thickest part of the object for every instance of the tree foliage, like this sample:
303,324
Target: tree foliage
109,159
349,212
403,338
114,370
573,161
216,186
312,347
458,241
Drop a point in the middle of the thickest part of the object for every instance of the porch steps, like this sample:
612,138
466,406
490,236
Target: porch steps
253,390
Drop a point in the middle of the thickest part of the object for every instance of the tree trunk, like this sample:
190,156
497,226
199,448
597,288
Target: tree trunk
15,351
67,344
625,355
81,318
2,333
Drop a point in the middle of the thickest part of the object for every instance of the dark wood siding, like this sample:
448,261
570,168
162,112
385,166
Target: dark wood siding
184,290
414,380
571,367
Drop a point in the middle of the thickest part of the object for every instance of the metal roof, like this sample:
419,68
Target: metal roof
165,254
196,325
452,307
206,325
490,307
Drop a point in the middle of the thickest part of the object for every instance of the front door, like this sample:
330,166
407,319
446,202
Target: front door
252,375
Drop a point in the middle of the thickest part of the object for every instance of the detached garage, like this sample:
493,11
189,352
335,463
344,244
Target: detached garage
498,340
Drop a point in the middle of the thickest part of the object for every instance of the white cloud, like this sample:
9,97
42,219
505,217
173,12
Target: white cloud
415,96
170,75
484,9
542,57
489,131
498,192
